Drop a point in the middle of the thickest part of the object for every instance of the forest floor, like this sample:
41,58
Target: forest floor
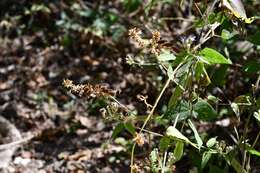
71,135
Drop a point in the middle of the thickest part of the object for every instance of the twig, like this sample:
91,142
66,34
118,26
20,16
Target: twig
15,143
152,111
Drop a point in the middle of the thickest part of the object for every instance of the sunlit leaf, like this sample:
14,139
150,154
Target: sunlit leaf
238,10
212,56
257,116
235,108
252,151
166,55
170,73
211,142
205,158
196,134
226,35
178,151
175,133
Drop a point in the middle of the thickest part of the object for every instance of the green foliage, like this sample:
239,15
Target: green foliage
178,151
196,134
211,56
205,111
166,55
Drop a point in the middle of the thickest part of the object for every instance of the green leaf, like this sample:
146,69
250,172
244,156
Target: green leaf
117,130
252,66
211,142
235,164
219,75
175,97
176,134
166,56
205,111
226,35
235,109
212,56
255,38
182,81
170,73
130,128
164,143
205,81
251,150
121,141
254,152
196,134
212,99
178,151
131,5
199,69
154,155
257,116
205,158
182,110
154,160
243,100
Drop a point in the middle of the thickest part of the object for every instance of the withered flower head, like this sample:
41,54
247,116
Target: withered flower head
135,168
135,35
139,139
87,90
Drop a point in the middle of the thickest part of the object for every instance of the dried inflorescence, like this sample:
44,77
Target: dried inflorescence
153,43
87,90
135,168
156,36
139,139
155,48
135,35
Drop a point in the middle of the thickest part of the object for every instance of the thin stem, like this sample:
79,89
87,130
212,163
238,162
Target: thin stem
164,161
159,97
243,138
177,18
249,157
152,111
155,104
256,139
147,119
132,158
257,82
152,133
123,106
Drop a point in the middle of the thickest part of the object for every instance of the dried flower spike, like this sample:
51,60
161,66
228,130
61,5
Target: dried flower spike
155,46
135,35
87,89
156,36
